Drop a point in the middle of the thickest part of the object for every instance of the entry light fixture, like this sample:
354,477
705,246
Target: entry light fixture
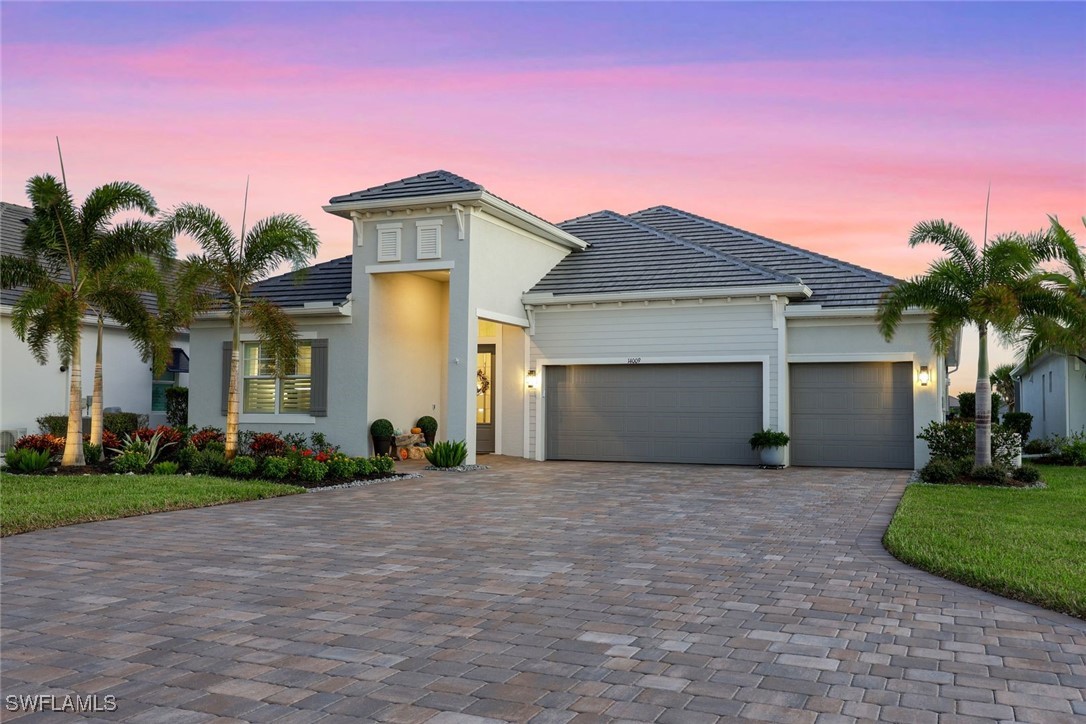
532,380
924,377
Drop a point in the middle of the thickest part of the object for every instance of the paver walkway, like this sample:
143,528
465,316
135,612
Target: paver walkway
543,592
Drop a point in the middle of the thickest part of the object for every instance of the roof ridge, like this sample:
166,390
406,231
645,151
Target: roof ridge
769,241
709,251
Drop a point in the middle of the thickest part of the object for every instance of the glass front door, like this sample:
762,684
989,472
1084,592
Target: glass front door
485,392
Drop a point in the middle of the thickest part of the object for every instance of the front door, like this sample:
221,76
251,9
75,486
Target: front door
485,392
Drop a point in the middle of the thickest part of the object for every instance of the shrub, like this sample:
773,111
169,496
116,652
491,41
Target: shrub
939,471
447,454
267,444
166,468
1072,450
967,404
311,470
428,425
185,457
294,439
382,428
48,443
340,466
203,436
130,462
383,465
768,438
177,406
363,467
27,460
319,442
208,462
1039,446
990,474
997,402
275,468
92,453
1020,422
956,439
122,423
150,448
1026,474
243,466
169,439
56,425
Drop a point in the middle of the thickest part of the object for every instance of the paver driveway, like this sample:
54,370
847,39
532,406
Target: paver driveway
542,592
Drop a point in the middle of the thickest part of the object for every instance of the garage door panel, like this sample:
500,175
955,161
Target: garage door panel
852,415
696,413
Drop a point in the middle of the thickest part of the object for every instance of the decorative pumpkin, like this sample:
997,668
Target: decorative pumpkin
416,431
403,453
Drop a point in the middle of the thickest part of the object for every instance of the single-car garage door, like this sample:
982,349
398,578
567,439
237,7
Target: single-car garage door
679,413
852,415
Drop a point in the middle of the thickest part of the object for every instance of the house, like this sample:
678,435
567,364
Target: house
658,336
29,390
1053,390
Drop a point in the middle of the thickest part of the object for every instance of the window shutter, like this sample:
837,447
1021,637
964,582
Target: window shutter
227,348
429,242
388,244
318,395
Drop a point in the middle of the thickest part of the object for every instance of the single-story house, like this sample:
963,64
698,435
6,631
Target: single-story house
1053,390
29,390
658,336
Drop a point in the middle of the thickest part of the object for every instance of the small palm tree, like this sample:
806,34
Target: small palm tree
231,264
988,287
1064,331
1003,384
76,263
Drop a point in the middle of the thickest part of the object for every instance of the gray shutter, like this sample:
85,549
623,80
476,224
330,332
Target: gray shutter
318,393
227,348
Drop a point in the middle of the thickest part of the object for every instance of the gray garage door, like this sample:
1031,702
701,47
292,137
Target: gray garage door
852,415
682,413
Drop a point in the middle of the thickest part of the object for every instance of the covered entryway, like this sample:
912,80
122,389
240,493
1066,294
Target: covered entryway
852,414
680,413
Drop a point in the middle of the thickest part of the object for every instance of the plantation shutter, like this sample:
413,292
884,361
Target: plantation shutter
318,396
227,348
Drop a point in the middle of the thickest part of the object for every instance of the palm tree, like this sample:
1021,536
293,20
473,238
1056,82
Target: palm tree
990,287
1065,331
75,263
231,264
1003,384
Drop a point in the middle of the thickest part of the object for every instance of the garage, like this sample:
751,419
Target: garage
663,413
853,415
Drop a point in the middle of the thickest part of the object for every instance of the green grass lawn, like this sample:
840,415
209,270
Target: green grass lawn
1023,543
33,502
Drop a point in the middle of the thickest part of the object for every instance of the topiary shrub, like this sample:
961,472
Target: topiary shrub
130,462
1020,422
939,472
447,454
312,471
56,425
1026,474
428,425
275,468
382,429
243,466
121,423
166,468
177,406
990,475
27,460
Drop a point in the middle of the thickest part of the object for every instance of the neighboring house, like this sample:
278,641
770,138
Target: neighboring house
1053,390
655,336
29,390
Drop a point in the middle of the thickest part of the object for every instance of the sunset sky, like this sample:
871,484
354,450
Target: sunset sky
835,127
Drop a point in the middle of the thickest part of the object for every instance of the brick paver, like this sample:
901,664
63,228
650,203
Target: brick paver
549,592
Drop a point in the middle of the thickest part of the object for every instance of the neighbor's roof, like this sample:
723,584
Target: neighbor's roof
834,283
329,281
627,256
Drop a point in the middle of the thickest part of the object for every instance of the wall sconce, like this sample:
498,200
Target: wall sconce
532,380
924,377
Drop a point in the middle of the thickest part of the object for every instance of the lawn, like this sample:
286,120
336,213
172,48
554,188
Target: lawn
33,502
1023,543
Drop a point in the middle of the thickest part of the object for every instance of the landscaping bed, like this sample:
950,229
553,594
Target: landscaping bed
1026,544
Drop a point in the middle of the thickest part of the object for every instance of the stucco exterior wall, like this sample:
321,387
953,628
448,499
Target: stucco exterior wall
1054,392
1076,395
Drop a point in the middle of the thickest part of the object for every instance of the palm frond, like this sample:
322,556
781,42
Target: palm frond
958,245
109,199
276,240
208,229
276,331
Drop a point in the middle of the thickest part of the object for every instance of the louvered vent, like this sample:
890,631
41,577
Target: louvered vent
429,242
388,243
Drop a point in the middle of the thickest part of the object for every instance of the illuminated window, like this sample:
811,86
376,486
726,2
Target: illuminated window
263,392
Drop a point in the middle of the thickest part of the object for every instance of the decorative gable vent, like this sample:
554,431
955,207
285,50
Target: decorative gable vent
388,242
429,239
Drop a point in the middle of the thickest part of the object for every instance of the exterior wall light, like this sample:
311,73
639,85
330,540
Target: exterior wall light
924,377
532,380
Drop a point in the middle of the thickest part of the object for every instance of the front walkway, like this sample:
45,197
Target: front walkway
531,591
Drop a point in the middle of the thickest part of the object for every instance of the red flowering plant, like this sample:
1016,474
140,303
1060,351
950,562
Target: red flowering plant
267,444
52,444
201,438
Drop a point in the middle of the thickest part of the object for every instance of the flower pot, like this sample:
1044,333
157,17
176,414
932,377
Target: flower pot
382,445
772,456
429,436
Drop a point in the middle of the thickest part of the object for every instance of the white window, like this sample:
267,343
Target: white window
263,392
388,242
429,239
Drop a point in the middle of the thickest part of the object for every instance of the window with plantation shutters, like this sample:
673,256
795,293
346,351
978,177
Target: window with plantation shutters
429,239
388,242
264,393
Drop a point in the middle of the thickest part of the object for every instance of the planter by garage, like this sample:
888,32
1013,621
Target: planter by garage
771,446
772,456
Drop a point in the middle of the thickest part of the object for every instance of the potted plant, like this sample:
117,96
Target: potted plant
770,445
382,431
429,428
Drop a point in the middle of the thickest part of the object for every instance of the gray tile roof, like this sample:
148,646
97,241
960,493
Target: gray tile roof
834,283
434,183
627,256
328,281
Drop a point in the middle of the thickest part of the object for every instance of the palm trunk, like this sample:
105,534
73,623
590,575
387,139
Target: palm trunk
73,439
97,416
232,401
984,403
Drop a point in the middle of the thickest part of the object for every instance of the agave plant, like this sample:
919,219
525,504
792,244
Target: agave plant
447,454
149,449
